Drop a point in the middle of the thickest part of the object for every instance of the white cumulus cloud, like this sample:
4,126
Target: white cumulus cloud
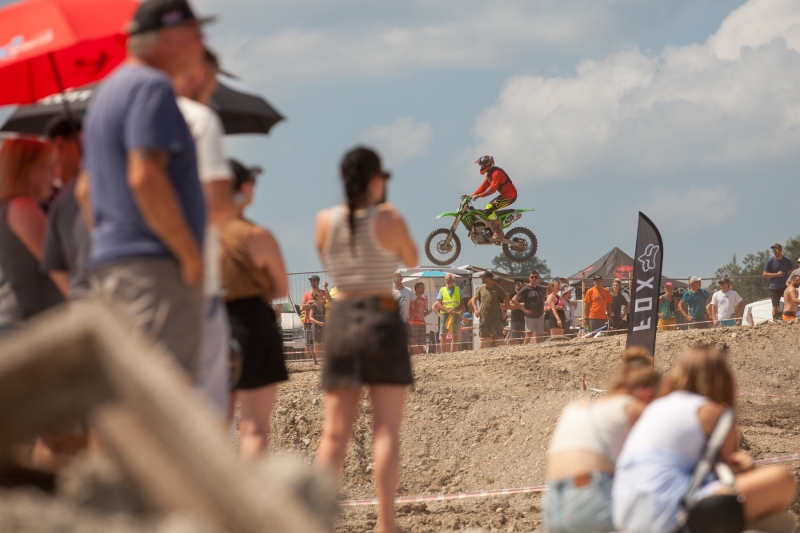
731,100
401,140
694,208
299,41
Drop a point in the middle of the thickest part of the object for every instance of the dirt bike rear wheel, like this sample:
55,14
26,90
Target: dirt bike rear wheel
525,245
438,252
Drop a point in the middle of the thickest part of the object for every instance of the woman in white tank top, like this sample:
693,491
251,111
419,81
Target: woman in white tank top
585,446
361,244
654,469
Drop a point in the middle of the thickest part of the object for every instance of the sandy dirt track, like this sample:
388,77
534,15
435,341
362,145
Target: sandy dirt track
483,419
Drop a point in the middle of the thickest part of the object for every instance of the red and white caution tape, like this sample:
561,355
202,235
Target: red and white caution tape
444,497
518,490
775,460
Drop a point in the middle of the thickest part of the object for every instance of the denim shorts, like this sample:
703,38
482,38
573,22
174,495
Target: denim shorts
366,344
585,509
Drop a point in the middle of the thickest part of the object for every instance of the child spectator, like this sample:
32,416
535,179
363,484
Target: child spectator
466,331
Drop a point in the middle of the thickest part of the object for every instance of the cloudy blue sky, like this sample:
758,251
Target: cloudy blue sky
687,110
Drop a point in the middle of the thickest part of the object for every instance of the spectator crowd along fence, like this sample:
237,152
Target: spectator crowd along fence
754,291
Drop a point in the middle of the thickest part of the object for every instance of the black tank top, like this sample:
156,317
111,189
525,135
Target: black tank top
24,290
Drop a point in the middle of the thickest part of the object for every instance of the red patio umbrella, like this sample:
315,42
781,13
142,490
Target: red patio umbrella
47,46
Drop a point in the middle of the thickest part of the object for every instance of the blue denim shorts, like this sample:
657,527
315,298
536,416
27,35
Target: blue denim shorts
585,509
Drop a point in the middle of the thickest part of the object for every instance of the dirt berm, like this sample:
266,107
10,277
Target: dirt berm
483,419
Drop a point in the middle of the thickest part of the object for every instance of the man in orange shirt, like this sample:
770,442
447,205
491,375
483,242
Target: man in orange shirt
596,305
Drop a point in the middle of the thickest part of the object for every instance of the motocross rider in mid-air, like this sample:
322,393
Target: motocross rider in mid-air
496,181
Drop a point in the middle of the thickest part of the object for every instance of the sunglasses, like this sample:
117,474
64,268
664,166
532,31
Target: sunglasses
533,277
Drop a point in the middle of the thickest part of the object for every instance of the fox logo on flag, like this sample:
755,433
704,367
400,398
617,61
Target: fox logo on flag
648,258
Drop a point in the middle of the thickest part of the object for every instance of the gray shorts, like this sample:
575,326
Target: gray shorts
151,296
535,325
456,325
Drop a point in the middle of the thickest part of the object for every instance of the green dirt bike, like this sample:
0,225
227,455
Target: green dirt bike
443,245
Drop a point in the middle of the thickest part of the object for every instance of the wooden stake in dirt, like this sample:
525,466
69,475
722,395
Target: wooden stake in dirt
80,361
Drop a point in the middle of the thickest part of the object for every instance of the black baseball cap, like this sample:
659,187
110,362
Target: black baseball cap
62,126
242,174
487,274
776,245
598,276
156,14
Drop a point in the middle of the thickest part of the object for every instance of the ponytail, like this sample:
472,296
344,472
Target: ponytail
357,168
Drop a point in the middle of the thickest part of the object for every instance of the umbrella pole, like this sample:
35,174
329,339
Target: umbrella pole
60,84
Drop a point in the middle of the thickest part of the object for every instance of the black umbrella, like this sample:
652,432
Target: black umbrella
239,107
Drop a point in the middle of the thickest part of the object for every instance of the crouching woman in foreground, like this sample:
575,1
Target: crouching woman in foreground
658,459
586,442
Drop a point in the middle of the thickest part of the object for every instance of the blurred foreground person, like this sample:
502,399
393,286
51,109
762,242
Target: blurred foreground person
254,275
144,194
585,445
195,88
67,241
27,167
657,461
360,244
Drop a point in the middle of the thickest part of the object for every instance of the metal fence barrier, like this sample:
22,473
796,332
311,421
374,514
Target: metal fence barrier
754,291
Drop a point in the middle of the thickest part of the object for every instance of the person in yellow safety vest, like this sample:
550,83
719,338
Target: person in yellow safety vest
448,306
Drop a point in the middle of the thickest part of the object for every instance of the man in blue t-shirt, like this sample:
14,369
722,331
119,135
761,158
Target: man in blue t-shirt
777,270
147,203
696,298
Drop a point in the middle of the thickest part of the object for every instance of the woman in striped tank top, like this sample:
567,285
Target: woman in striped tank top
361,244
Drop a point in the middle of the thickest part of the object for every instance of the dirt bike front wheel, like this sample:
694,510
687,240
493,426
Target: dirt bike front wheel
439,250
524,247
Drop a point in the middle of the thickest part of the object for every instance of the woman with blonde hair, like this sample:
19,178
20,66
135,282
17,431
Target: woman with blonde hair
585,445
656,464
27,167
555,304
